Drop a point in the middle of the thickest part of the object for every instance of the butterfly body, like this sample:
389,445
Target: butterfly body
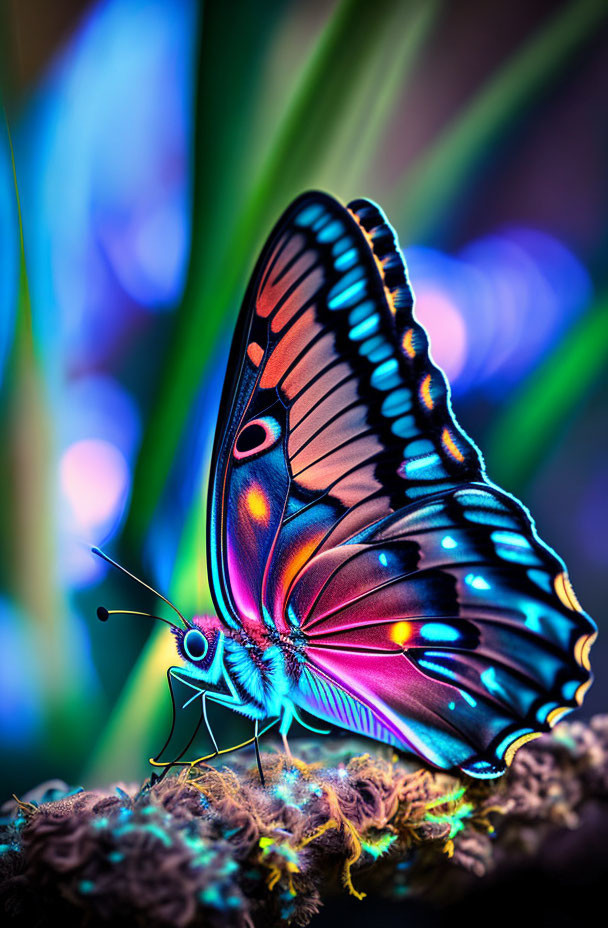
362,565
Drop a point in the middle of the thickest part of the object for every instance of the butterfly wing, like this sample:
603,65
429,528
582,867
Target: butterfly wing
447,628
336,430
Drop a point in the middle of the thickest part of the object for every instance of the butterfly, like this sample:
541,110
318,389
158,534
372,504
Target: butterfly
362,565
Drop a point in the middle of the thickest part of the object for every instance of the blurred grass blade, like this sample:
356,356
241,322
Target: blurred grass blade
432,184
28,554
296,158
529,425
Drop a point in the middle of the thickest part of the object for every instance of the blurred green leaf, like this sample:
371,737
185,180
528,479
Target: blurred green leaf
226,239
28,529
519,438
439,177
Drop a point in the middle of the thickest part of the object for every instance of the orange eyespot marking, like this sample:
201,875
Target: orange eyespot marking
425,392
408,343
255,353
554,716
450,445
564,590
401,632
582,648
581,691
257,504
299,558
517,744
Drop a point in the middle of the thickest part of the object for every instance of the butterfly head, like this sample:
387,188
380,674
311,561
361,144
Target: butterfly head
201,647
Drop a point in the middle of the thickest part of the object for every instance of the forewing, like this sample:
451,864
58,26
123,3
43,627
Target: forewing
327,353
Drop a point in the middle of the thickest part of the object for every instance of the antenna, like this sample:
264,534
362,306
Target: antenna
105,557
104,614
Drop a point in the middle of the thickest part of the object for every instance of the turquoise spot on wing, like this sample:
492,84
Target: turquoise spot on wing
510,538
569,689
476,582
509,739
346,260
541,579
483,770
360,312
386,375
333,231
404,427
396,403
342,246
348,291
380,353
439,631
437,668
367,327
419,464
448,543
383,559
308,215
544,711
511,546
491,683
468,698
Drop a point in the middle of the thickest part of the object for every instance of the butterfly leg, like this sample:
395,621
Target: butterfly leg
286,720
208,726
257,753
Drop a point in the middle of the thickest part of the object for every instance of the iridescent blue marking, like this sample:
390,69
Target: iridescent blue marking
381,353
545,710
429,460
477,582
510,538
365,348
482,770
533,615
349,290
569,689
333,231
468,698
321,222
451,705
511,546
292,616
367,327
360,312
504,744
541,579
448,543
342,245
386,375
437,668
421,446
404,427
488,678
346,260
396,403
438,631
308,215
383,559
422,489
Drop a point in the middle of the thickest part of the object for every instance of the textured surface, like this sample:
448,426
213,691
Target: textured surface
217,849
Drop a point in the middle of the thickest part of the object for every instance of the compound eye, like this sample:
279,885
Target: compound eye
256,436
195,644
